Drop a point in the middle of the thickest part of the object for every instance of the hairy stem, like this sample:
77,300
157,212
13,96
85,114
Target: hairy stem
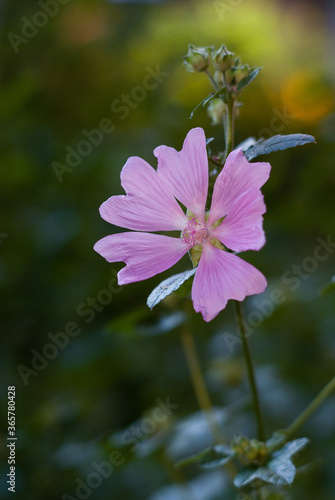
250,372
229,127
213,82
314,405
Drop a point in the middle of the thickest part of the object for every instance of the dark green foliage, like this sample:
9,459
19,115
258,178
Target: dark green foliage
104,380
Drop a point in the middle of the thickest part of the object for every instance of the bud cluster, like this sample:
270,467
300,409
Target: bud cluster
224,71
250,451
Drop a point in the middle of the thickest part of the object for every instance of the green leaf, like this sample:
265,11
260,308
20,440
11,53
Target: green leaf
168,286
247,476
216,457
191,459
210,458
279,470
247,79
185,289
276,441
222,93
277,143
329,287
291,448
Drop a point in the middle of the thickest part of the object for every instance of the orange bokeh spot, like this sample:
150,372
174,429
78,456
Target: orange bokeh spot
82,24
307,97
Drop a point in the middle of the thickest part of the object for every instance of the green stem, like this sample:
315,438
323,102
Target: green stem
229,127
199,384
314,405
258,495
176,475
250,371
213,82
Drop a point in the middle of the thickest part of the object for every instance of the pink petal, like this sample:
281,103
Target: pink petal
149,204
145,254
187,171
222,276
237,177
242,228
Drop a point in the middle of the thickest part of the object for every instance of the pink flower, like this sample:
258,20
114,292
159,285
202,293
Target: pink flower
233,222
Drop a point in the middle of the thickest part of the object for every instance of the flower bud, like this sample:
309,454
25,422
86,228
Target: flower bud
218,77
242,72
197,59
250,452
230,76
216,111
223,59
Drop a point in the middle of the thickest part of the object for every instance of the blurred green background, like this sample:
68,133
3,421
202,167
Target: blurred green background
65,72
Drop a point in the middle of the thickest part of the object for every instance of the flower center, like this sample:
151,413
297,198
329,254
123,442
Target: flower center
195,232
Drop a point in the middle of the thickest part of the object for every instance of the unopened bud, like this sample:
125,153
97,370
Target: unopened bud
242,72
230,76
223,59
197,59
218,77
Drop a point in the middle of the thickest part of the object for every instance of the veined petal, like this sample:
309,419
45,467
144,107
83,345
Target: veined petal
187,171
242,228
236,177
222,276
145,254
149,204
